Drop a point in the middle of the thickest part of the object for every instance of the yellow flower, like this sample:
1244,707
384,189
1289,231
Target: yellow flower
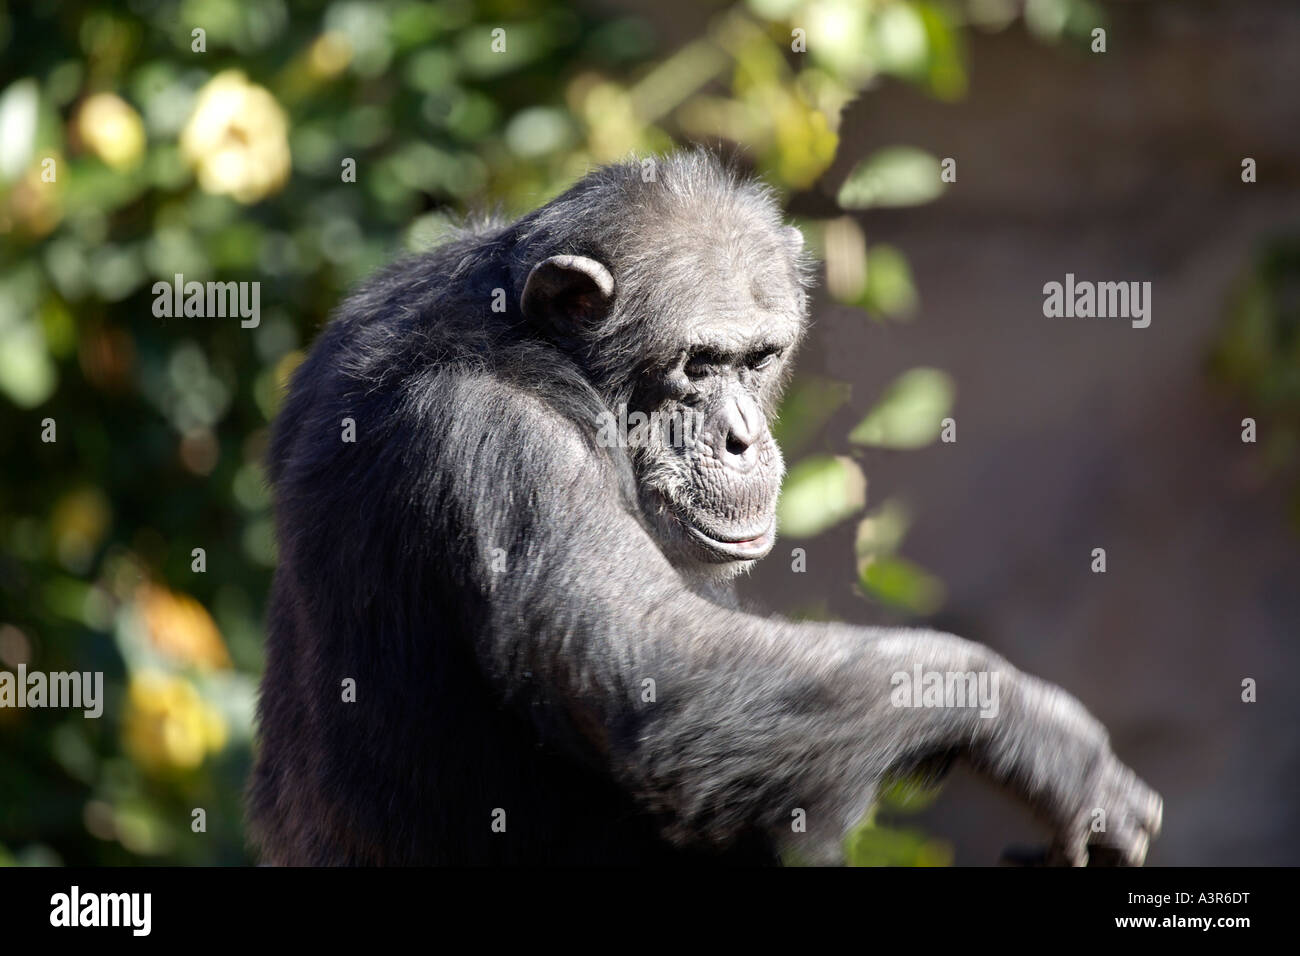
181,628
237,139
168,724
111,130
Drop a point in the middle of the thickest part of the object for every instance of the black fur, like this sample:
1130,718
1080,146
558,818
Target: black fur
522,689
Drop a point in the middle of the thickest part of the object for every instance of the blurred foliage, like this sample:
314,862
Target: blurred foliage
819,492
910,413
882,841
1258,355
145,139
897,176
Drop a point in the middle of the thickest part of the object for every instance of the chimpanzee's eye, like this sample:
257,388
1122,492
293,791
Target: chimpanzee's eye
702,363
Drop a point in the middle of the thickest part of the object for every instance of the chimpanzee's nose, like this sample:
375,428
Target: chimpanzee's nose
737,427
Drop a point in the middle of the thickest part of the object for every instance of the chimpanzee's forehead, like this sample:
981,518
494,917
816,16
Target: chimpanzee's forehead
736,337
736,310
719,272
756,270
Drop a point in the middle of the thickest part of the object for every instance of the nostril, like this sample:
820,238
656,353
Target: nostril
735,446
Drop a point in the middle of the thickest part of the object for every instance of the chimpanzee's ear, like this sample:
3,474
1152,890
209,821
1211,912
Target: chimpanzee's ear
568,290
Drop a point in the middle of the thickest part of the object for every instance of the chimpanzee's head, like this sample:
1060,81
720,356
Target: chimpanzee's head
679,291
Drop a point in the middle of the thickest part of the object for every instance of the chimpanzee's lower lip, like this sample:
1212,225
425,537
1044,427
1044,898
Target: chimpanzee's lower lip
746,549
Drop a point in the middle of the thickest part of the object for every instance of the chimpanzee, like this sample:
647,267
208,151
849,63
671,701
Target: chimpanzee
502,631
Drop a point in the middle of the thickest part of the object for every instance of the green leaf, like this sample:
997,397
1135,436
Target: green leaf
902,584
880,532
889,288
899,38
839,39
818,493
945,65
909,794
885,846
910,413
893,176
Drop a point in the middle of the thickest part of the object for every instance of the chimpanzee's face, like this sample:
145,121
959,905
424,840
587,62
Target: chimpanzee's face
710,471
703,356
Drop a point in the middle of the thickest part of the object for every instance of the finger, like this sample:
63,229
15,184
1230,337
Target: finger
1153,813
1069,850
1126,842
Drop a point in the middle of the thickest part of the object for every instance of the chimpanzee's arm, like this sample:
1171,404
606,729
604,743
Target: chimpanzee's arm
722,721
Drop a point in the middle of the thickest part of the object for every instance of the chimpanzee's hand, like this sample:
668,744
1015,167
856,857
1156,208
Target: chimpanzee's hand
1060,760
1117,800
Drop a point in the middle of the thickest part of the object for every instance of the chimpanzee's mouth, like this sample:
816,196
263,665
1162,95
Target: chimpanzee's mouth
721,543
739,547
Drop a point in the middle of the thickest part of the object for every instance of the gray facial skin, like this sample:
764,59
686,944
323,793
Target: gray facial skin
544,624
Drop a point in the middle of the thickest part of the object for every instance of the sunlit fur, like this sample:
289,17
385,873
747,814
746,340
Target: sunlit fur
523,648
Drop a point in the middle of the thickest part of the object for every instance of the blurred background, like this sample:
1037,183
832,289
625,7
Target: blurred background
945,158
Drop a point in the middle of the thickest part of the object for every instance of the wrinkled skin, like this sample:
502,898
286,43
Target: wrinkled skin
722,508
